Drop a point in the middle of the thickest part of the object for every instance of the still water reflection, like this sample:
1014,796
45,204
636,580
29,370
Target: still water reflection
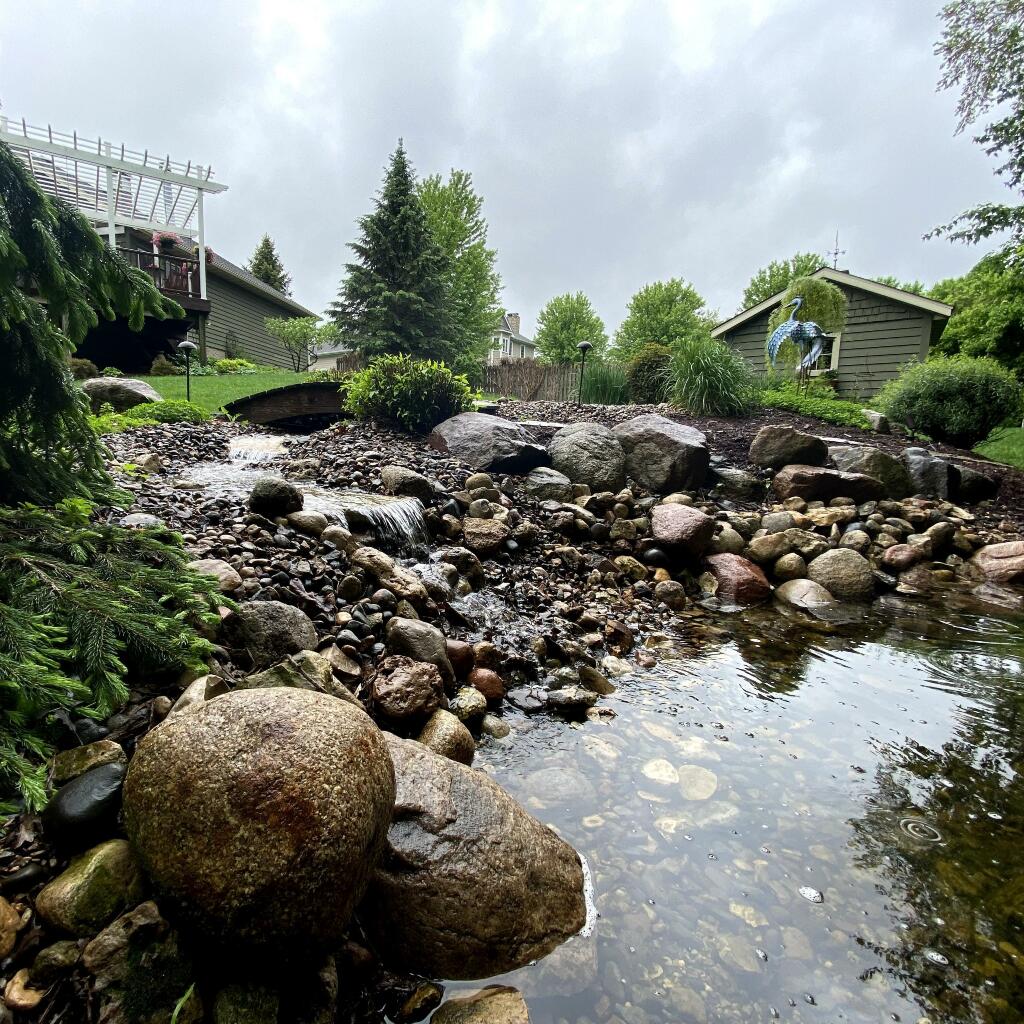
794,821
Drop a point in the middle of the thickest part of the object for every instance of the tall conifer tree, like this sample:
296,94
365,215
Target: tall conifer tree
393,297
267,266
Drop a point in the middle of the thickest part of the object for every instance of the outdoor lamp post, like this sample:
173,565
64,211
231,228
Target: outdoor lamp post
188,347
584,347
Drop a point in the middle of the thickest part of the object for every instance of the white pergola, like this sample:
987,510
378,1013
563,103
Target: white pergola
114,186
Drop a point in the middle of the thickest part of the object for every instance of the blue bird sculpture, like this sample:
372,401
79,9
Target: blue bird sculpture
808,337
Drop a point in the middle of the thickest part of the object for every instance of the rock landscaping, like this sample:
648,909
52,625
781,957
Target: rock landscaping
310,802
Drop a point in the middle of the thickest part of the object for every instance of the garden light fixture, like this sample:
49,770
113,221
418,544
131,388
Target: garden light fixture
584,347
188,347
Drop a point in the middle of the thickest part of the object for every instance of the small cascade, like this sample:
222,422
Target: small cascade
256,448
396,524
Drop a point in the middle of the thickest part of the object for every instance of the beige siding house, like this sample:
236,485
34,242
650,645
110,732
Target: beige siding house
886,328
508,343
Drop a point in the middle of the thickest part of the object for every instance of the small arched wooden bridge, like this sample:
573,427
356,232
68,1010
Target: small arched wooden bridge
294,402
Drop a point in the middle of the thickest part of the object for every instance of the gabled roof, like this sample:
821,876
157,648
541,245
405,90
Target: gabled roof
842,277
506,327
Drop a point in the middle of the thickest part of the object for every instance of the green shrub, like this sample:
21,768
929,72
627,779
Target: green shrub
82,606
111,371
960,400
416,394
163,367
605,383
83,369
234,366
648,374
817,402
709,379
148,414
329,376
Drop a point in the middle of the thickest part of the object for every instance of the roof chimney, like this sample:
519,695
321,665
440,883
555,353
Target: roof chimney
513,321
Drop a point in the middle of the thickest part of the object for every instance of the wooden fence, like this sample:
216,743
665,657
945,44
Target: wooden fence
530,380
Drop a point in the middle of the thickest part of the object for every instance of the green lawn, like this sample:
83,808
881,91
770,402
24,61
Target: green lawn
211,393
1005,446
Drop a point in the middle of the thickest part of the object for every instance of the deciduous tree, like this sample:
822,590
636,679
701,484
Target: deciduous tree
778,275
663,313
563,323
302,337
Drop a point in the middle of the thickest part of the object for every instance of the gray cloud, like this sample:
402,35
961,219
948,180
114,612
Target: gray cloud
614,144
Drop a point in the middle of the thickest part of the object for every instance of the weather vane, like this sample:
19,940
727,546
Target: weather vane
836,252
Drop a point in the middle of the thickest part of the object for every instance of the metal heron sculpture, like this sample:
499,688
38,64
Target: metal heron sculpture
808,337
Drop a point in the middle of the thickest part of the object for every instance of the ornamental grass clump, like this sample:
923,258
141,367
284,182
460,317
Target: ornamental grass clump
708,379
605,383
959,400
415,394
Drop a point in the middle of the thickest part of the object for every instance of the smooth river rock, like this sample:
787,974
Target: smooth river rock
682,529
663,455
739,580
844,573
261,813
776,446
815,483
589,453
1001,563
269,631
488,442
120,392
470,885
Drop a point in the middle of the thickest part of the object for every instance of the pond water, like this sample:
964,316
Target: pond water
794,821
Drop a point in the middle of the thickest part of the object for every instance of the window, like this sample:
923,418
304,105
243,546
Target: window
522,351
829,358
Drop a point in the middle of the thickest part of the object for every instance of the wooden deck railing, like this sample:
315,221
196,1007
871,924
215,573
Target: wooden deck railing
176,276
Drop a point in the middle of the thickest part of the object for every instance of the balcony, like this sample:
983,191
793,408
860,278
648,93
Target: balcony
176,276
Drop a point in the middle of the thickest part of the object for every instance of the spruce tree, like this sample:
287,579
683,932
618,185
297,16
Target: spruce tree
393,297
267,266
57,278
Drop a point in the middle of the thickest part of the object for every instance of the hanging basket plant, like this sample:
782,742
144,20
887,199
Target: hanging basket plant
165,240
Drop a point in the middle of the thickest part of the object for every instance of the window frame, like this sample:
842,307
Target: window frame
833,356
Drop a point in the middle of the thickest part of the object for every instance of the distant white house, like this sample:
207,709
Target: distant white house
508,343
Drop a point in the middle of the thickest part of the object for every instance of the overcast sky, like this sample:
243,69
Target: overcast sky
614,143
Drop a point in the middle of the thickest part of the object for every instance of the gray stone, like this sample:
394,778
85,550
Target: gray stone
202,689
488,442
269,631
777,522
589,453
261,813
776,446
313,523
815,483
973,486
484,537
728,540
273,496
420,641
228,580
402,582
790,567
682,528
663,455
470,885
737,484
120,392
845,574
546,484
407,483
872,462
803,594
929,474
879,421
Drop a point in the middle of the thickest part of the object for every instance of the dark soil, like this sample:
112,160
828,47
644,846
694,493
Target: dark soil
731,438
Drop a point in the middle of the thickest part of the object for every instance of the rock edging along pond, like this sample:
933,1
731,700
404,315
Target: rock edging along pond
523,594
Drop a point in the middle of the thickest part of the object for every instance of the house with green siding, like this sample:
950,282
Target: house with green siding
886,328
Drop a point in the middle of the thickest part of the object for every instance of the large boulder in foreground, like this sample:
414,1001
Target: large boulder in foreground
488,442
814,483
120,392
589,453
261,813
663,455
1001,563
873,462
269,631
844,573
776,446
470,885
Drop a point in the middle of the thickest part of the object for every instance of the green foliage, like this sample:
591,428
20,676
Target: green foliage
709,379
83,605
329,376
982,50
163,367
916,287
960,400
778,275
417,394
111,371
563,323
662,313
234,366
302,337
648,374
267,266
146,415
823,303
605,383
988,312
233,348
1006,446
454,213
57,280
810,399
394,298
84,369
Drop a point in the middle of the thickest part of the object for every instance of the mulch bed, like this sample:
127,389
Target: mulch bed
731,438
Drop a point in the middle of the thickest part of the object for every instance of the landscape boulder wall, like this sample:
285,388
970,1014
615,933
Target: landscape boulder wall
260,813
814,483
589,453
1001,563
469,885
663,455
488,442
120,392
870,461
776,446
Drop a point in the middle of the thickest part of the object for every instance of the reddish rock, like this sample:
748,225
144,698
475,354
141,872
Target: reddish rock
682,528
901,557
488,682
814,483
739,580
404,688
460,654
1001,563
